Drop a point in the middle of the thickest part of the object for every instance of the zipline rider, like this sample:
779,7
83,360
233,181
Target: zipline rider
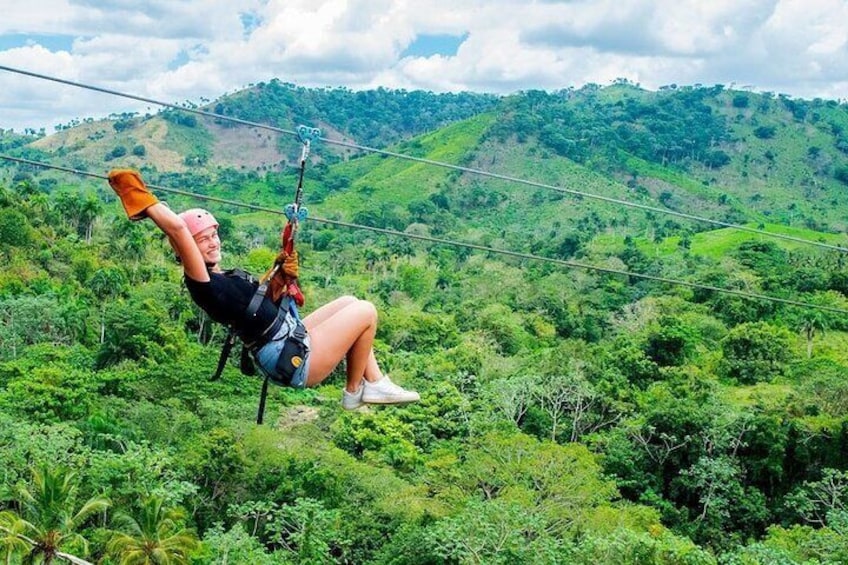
287,352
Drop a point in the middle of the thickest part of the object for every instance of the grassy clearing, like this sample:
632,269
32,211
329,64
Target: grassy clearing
385,180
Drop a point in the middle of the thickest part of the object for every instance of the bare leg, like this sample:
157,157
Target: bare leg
327,310
343,329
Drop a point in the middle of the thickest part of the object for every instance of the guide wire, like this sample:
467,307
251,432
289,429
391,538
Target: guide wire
460,168
453,243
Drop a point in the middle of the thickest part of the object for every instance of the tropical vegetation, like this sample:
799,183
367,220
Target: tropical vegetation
571,412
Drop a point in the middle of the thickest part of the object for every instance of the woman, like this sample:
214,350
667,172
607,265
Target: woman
342,329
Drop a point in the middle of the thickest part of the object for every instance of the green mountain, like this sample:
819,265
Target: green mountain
568,414
731,156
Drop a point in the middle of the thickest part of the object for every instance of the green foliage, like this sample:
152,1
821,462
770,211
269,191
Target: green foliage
658,546
755,352
632,362
30,320
413,330
505,327
816,501
495,531
155,535
14,228
765,132
402,113
823,387
12,542
841,174
635,124
52,516
137,330
116,153
672,343
741,101
28,445
50,394
131,471
566,416
801,544
380,437
235,545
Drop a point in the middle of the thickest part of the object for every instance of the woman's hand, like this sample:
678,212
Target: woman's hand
132,191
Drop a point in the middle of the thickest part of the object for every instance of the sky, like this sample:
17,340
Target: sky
195,50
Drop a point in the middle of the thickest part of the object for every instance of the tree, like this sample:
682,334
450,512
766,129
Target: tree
139,329
810,321
106,283
841,174
755,352
569,398
52,520
671,343
740,100
512,396
814,501
13,542
765,132
306,528
154,536
89,209
14,228
236,546
492,531
27,320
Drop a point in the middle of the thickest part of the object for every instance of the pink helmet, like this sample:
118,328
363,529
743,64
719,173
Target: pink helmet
198,219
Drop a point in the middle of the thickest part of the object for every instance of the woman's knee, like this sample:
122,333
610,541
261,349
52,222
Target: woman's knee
369,311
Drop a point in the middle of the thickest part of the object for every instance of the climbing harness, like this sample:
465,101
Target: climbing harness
281,281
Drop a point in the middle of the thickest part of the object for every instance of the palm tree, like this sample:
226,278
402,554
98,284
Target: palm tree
89,209
48,511
156,536
12,539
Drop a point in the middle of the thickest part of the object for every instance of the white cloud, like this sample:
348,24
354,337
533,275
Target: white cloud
186,50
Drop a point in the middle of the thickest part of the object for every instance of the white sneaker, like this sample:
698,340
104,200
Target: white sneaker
352,400
385,391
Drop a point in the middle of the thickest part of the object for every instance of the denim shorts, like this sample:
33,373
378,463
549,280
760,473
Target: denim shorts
267,357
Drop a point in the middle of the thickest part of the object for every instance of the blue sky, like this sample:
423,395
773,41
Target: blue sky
193,49
53,42
427,45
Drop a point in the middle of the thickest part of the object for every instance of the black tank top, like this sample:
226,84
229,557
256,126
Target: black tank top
226,297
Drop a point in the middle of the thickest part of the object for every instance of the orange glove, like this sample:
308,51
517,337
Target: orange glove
132,191
290,265
277,288
284,281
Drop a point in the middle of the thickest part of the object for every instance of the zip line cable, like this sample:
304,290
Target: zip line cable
479,172
148,100
454,243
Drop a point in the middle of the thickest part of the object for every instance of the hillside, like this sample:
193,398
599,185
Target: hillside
733,156
567,415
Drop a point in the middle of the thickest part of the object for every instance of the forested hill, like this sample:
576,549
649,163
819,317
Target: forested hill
732,155
570,413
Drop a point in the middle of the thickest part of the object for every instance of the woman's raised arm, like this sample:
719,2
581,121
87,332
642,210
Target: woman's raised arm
140,203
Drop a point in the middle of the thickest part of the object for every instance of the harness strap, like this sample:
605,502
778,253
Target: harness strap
262,397
230,341
255,302
225,352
